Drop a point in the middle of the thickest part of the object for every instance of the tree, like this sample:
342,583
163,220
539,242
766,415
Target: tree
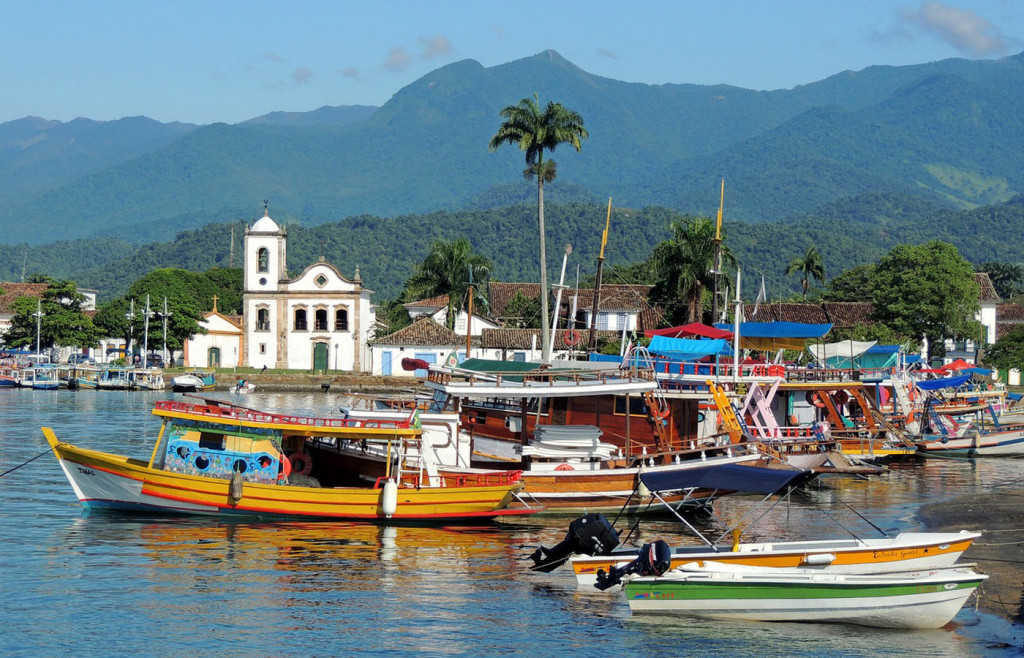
391,316
536,131
1007,352
853,285
1005,277
522,312
809,265
927,291
447,270
681,268
62,323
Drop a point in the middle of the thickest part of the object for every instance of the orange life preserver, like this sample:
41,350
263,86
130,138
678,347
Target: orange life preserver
912,394
814,397
286,468
301,462
571,338
840,398
564,467
660,414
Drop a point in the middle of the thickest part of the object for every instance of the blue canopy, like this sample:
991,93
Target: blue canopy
945,382
688,349
882,349
777,335
976,371
723,477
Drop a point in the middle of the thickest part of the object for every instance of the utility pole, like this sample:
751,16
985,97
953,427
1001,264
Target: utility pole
145,341
38,315
131,331
163,316
592,342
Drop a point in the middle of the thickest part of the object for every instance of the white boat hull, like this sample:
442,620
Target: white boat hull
906,600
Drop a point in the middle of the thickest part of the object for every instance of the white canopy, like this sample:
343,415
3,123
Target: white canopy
847,350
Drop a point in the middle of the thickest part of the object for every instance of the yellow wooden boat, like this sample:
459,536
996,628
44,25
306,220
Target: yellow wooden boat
218,459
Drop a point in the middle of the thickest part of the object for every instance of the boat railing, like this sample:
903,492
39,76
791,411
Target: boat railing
550,377
251,415
484,479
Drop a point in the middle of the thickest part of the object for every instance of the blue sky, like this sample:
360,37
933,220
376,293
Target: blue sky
231,60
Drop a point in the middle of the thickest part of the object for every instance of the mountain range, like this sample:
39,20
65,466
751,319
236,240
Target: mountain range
948,133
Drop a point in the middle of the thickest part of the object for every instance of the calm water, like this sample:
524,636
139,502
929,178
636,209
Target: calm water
114,585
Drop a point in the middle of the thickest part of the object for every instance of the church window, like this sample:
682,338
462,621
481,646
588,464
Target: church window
341,320
300,319
320,319
263,259
263,320
320,280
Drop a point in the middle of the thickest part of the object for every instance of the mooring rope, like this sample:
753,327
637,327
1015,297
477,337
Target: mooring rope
45,452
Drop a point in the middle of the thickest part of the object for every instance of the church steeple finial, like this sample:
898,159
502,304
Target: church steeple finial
266,208
215,303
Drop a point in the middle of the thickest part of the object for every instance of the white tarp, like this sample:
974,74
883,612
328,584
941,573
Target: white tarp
841,353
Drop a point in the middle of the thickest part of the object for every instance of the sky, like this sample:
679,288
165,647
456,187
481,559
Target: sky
227,61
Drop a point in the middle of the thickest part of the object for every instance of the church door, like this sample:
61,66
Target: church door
213,358
320,357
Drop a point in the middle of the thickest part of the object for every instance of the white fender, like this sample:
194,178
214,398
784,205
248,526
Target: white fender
389,498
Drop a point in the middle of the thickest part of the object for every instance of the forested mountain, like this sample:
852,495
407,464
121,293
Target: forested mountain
947,133
847,233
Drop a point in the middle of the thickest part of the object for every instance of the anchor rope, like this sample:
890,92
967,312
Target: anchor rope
47,451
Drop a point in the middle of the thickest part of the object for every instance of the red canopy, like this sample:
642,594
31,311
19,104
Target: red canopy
959,364
692,329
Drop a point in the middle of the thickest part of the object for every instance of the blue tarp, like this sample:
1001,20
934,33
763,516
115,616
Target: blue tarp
945,382
724,477
688,349
976,371
779,329
883,349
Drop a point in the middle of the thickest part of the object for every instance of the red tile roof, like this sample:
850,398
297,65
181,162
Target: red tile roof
423,332
622,298
12,291
988,291
523,339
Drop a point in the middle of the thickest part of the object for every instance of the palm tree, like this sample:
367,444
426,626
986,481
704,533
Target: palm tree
809,265
683,268
446,271
535,131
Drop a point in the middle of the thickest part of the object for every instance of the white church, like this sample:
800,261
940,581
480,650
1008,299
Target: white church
318,321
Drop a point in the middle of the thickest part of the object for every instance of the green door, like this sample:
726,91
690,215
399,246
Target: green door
213,357
320,357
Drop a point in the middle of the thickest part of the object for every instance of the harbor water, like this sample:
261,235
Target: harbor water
105,584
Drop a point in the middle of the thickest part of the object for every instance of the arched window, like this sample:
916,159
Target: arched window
300,319
263,319
320,319
341,320
263,259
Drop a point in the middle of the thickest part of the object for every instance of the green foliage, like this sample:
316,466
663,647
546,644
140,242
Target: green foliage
448,270
853,285
391,316
1006,277
522,312
62,322
927,290
1007,352
681,268
807,266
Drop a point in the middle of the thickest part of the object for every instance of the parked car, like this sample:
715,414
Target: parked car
155,360
81,360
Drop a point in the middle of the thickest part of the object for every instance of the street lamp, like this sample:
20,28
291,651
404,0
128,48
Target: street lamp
163,316
145,340
131,330
38,315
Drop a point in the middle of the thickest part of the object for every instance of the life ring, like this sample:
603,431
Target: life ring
571,338
286,467
814,397
660,414
301,462
840,398
912,394
564,467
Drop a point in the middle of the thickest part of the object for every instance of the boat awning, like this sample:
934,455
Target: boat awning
945,382
692,329
723,477
837,354
778,335
687,349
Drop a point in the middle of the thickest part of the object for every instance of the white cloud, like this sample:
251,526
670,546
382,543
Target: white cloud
961,28
435,47
397,60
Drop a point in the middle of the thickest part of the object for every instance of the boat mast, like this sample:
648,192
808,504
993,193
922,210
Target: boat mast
469,314
716,269
558,301
592,342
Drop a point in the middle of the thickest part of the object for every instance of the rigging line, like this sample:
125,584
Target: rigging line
24,463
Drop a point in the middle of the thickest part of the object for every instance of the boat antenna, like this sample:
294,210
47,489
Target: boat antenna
716,269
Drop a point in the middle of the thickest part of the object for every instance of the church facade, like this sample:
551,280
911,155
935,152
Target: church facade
318,321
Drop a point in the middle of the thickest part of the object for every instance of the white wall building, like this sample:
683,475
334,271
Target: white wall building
222,346
316,321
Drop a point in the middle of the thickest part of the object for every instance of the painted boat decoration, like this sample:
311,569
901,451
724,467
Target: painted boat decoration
232,462
708,590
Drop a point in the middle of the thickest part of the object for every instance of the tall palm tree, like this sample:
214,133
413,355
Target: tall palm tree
683,268
446,271
809,265
535,131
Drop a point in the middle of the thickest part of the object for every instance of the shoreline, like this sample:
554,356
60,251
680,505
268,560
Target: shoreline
999,552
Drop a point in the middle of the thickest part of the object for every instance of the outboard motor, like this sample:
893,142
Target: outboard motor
654,560
590,534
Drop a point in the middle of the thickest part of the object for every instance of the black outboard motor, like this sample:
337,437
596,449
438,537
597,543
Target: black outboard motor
590,534
654,560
